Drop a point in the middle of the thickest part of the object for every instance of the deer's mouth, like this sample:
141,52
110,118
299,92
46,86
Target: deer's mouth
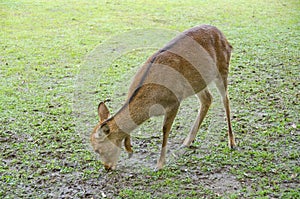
109,167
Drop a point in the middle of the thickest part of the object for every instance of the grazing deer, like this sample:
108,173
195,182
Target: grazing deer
184,67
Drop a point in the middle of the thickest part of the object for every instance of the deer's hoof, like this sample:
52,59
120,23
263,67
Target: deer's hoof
183,146
130,155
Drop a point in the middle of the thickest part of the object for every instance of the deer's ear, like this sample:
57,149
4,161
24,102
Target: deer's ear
103,111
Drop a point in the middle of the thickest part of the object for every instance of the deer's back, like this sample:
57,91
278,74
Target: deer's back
186,65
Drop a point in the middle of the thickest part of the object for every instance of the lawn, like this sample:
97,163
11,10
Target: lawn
59,59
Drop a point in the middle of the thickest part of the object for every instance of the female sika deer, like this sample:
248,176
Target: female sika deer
184,67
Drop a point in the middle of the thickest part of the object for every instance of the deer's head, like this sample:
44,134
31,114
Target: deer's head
105,141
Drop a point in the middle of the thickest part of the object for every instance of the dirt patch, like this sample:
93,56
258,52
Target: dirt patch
138,173
221,183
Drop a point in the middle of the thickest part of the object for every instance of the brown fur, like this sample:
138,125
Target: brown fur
184,67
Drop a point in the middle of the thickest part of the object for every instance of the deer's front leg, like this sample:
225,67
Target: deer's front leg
169,118
127,143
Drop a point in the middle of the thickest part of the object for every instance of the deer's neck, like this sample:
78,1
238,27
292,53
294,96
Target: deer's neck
130,116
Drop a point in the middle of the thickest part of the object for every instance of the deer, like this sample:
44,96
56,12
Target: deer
183,67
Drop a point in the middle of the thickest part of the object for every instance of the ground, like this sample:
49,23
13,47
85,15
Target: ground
60,58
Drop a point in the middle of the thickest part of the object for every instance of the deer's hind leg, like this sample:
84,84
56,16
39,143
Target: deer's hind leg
221,84
205,100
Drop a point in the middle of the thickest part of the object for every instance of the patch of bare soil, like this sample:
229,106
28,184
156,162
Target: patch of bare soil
130,173
221,183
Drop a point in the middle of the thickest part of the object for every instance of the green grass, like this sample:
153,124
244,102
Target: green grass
47,81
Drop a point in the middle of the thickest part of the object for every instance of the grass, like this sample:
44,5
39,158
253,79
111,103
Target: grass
51,84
